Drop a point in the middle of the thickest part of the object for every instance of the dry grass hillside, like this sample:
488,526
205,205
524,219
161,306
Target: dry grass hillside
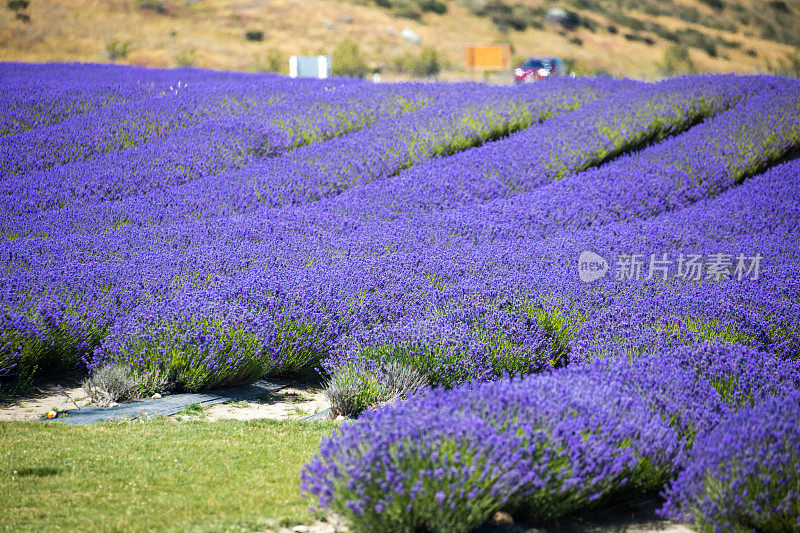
641,38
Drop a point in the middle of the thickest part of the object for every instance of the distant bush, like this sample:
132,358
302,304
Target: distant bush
677,61
576,41
790,66
730,44
20,9
413,9
427,63
635,37
407,9
117,49
506,16
274,61
590,5
254,35
186,58
780,6
503,16
587,23
433,6
627,21
695,39
719,5
579,69
159,6
346,60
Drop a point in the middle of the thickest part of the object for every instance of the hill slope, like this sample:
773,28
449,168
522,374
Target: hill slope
719,35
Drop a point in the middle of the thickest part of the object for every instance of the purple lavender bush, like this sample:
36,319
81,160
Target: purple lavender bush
460,345
545,446
745,474
542,446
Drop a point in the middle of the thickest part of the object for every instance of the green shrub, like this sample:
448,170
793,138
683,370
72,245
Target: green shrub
186,58
719,5
116,49
407,9
696,39
273,61
677,61
20,9
346,60
635,37
159,6
413,9
433,6
427,63
790,66
254,35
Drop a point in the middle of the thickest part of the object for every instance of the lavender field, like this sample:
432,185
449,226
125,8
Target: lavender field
580,288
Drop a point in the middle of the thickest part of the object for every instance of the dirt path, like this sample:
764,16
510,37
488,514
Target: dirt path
290,403
62,394
294,401
629,518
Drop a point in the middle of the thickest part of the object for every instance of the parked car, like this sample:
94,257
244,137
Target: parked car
539,68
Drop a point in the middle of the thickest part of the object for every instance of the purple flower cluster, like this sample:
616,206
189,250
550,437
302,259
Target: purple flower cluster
180,178
266,122
43,95
460,345
372,243
744,475
543,446
216,227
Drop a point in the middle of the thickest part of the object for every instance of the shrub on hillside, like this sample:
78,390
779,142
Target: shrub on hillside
116,49
425,64
158,6
273,61
254,35
347,61
20,9
413,9
676,61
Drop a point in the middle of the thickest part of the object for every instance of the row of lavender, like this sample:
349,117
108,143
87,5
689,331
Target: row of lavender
123,209
722,421
243,230
648,415
653,416
459,304
343,284
53,209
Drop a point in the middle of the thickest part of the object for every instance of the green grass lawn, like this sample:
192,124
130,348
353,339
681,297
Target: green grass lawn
155,475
